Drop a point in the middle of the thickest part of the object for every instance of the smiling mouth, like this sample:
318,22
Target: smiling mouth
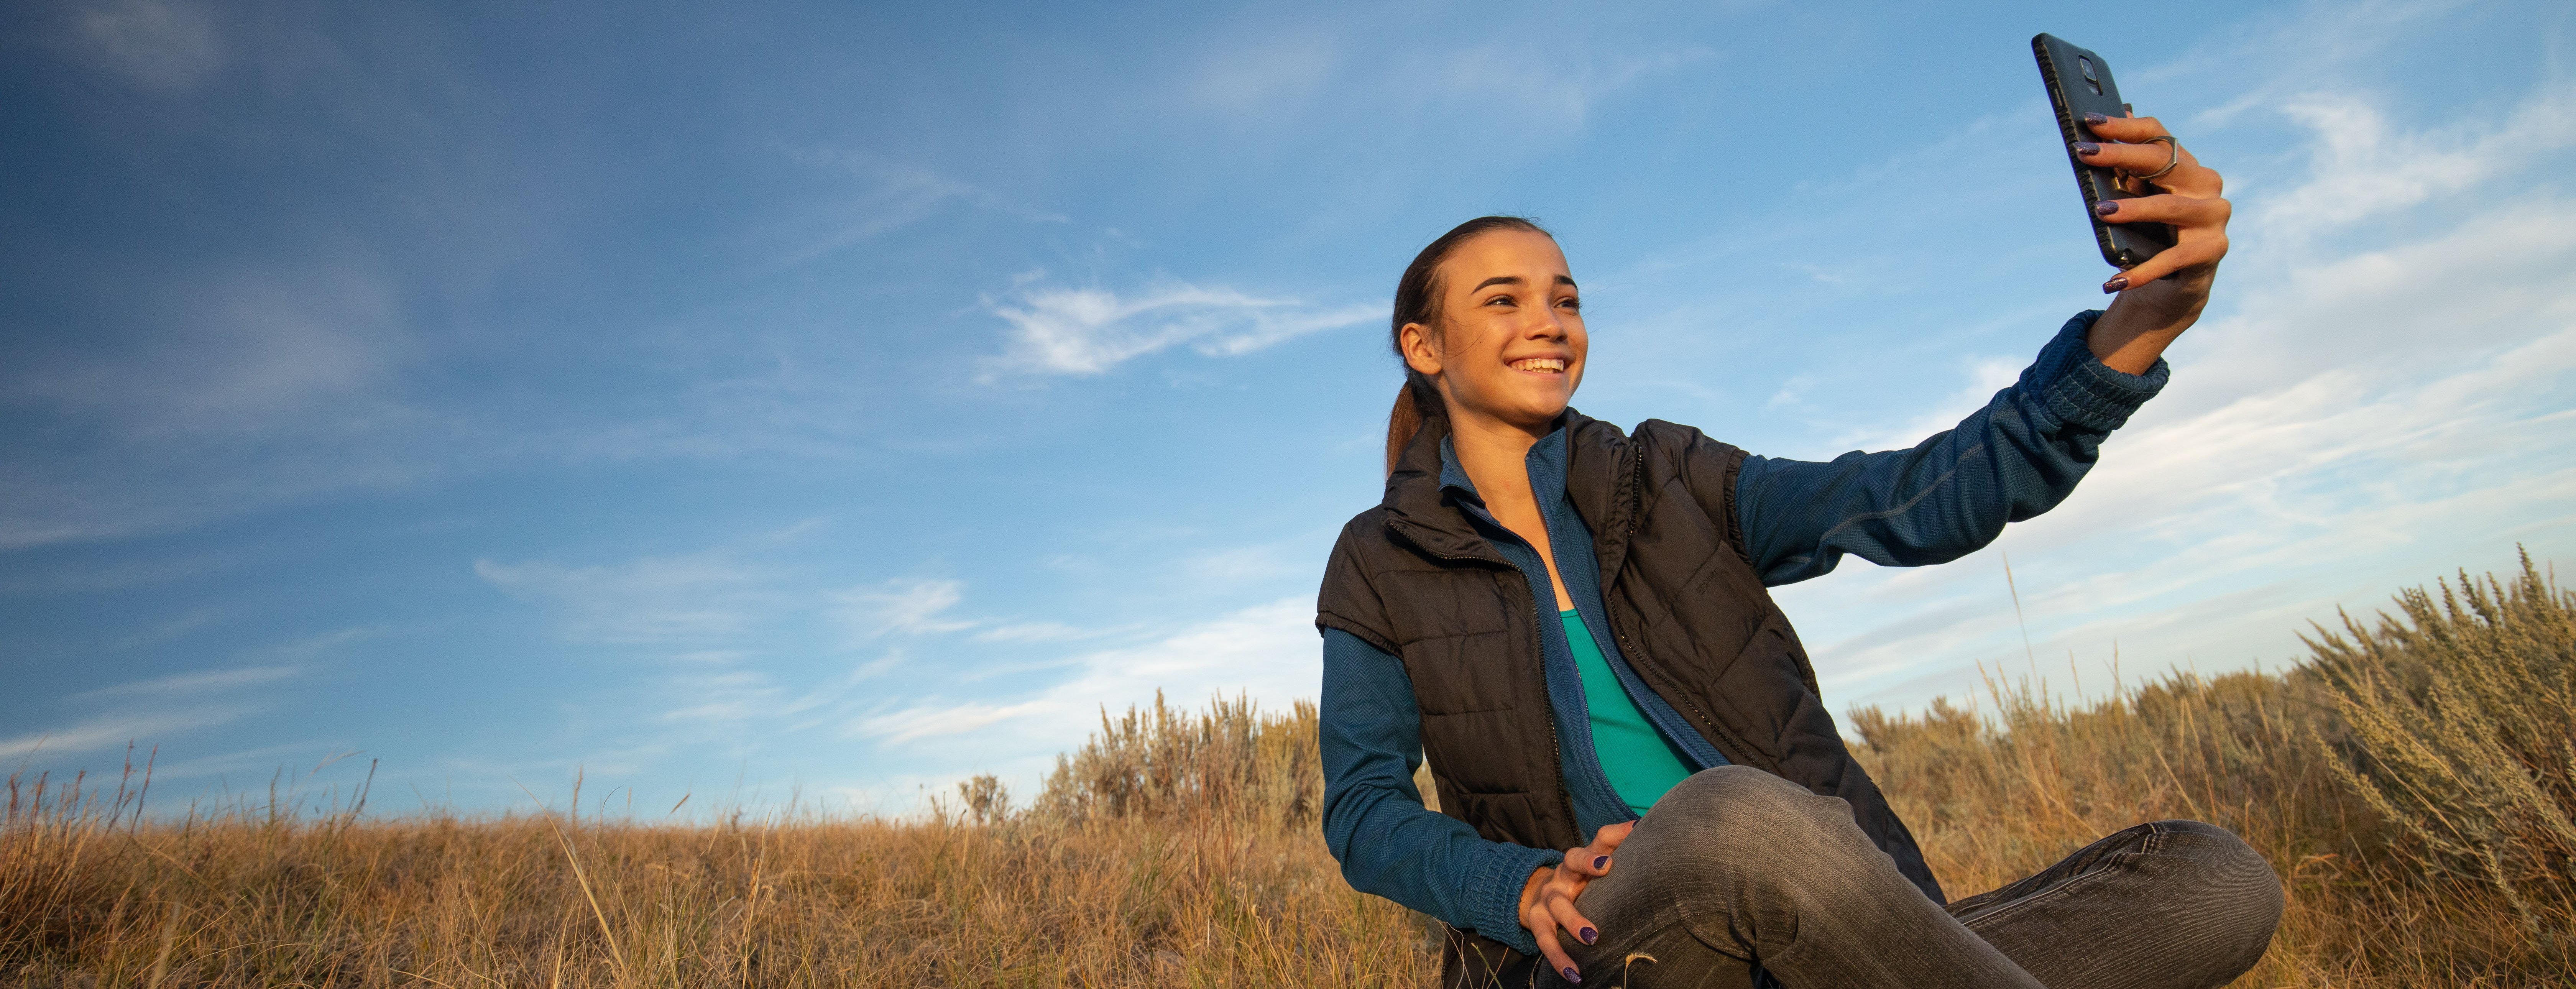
1540,365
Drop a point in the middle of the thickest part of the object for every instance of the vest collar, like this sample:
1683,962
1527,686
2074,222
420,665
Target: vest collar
1419,494
1416,504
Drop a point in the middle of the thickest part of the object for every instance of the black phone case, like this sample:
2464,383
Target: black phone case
2079,82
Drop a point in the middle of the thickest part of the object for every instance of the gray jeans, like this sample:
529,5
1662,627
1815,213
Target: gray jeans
1737,870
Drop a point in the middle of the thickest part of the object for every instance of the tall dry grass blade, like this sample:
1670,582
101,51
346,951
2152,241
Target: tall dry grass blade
616,955
563,930
2015,591
161,958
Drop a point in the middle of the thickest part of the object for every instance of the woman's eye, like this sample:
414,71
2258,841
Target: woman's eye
1499,300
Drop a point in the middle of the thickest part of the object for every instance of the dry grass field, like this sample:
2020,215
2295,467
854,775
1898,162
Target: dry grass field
2411,783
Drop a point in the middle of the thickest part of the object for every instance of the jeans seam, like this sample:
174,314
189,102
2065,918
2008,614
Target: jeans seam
2052,894
2155,841
2153,836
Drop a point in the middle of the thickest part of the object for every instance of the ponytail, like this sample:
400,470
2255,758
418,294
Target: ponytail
1415,402
1417,300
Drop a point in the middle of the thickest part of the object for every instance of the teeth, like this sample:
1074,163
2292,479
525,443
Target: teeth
1540,364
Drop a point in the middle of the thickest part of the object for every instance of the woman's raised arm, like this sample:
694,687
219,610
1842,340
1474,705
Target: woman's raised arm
2022,454
1951,494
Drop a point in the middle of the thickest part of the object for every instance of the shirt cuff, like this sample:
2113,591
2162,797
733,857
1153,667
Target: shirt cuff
2081,390
1494,894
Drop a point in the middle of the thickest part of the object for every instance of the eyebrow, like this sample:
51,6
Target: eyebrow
1565,280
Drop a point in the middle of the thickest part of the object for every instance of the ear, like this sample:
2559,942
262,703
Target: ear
1419,354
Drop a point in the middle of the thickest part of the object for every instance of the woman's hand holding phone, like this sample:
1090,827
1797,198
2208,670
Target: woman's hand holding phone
2152,309
1547,897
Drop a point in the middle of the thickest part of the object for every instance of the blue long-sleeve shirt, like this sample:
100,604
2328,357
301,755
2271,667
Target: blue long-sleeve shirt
1942,499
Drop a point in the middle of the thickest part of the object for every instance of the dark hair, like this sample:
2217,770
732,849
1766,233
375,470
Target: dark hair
1417,300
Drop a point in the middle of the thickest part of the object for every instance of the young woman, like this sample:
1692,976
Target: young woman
1638,778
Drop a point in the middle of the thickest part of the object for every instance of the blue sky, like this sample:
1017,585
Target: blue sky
831,401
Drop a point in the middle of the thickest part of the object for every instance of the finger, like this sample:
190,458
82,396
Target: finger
1609,837
1545,929
1561,909
2195,253
1565,886
2130,129
2187,176
2135,159
2182,211
1589,861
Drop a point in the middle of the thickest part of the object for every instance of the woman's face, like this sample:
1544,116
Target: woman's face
1511,342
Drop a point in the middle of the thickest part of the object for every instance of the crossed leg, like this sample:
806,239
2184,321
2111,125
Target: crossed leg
1736,867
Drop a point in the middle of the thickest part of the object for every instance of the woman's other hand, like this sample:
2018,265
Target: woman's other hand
1547,899
2152,310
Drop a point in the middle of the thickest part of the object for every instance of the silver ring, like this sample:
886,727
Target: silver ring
2173,157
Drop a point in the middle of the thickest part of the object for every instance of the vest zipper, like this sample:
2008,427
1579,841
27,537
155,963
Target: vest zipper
1555,745
1637,512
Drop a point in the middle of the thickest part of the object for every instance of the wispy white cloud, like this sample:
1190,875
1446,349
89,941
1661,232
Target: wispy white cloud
712,657
149,712
183,684
309,646
888,195
711,609
2365,167
732,696
1036,632
1267,652
156,711
1511,75
164,631
1253,82
246,352
689,599
266,757
903,607
112,730
159,46
1084,331
1986,375
1241,565
257,386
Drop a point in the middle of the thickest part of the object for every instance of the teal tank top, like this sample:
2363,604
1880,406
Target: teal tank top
1640,762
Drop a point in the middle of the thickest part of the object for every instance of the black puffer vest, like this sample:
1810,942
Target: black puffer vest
1414,579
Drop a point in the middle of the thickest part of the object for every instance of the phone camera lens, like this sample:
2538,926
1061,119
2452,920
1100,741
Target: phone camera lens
2086,64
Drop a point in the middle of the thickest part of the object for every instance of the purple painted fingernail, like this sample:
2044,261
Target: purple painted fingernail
1571,975
2087,148
1602,862
1588,935
2115,285
2095,118
2106,207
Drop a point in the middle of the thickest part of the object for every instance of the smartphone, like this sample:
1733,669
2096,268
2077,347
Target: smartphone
2079,82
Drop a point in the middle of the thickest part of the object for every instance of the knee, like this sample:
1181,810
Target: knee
1741,793
2231,870
2236,896
1746,816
